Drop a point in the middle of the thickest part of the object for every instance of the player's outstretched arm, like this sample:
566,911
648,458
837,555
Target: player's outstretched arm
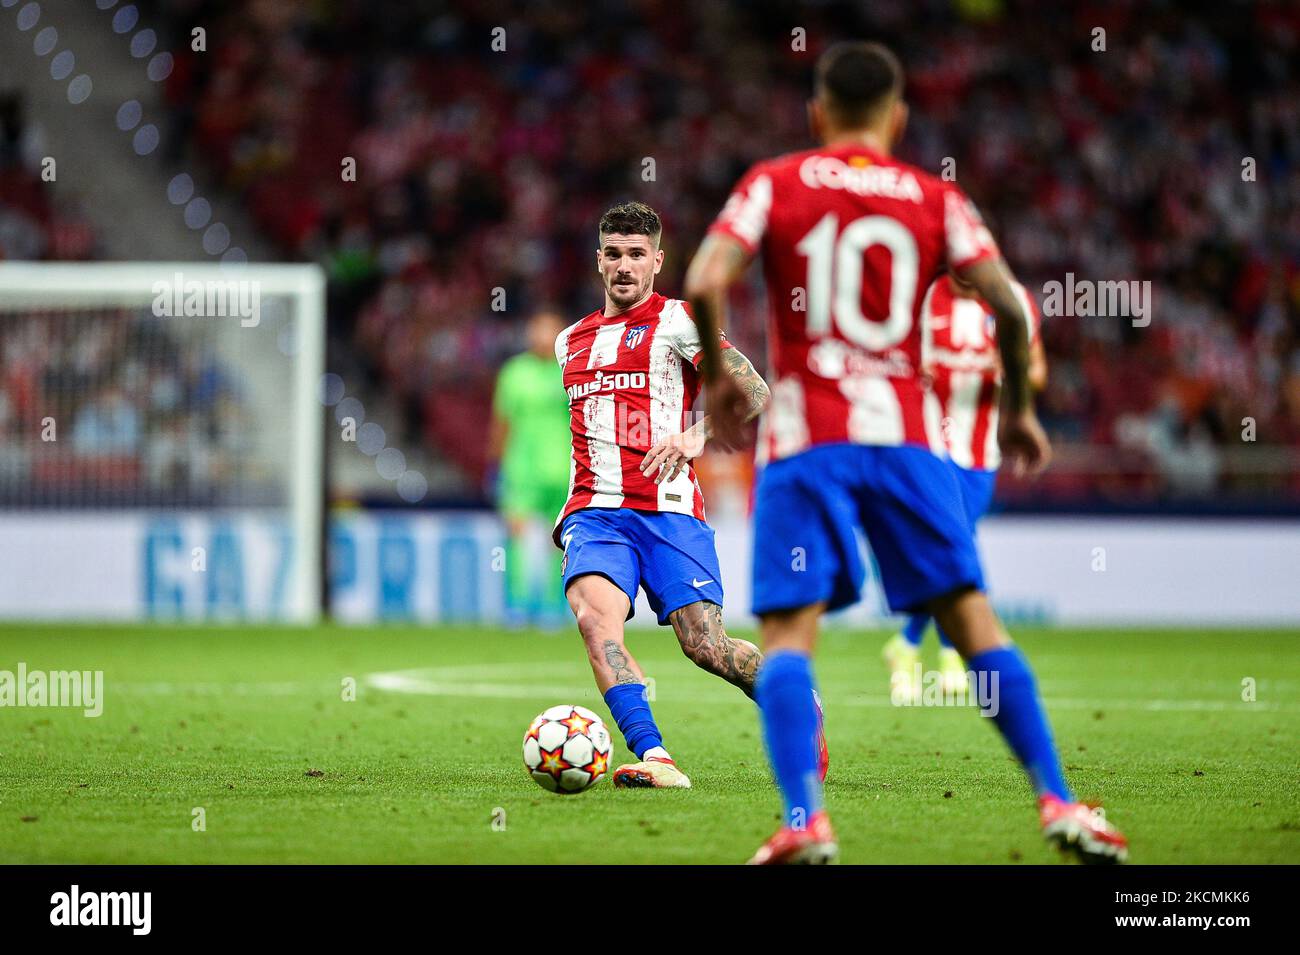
741,370
718,263
670,455
1020,435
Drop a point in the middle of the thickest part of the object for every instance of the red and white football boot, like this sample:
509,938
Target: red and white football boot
813,845
823,751
1082,829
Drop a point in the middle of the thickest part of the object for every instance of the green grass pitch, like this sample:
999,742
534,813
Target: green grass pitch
250,725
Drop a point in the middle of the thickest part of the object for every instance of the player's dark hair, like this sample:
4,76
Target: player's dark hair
854,79
632,218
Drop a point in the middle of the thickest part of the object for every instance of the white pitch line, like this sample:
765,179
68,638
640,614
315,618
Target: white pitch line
208,688
433,681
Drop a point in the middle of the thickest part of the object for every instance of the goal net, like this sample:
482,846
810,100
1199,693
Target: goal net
160,441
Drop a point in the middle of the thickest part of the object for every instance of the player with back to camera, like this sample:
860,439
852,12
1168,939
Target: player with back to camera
852,436
635,513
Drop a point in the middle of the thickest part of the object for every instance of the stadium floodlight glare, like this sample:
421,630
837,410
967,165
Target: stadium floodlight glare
174,408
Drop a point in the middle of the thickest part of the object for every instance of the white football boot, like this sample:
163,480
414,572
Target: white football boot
904,671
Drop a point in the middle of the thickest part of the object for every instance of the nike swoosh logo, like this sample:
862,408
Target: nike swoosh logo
569,358
700,583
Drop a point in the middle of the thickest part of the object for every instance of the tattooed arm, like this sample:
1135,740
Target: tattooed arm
751,382
670,455
718,264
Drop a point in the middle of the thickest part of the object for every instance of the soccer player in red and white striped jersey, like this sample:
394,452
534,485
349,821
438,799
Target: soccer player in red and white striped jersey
631,381
959,353
851,238
635,515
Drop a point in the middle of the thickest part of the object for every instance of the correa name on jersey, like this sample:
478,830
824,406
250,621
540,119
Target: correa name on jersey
865,235
828,172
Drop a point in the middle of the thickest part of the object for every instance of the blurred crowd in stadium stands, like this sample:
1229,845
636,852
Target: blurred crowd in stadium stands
119,412
133,417
479,169
30,225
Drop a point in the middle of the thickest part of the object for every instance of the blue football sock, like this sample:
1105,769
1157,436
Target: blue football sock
914,629
789,718
1016,709
627,704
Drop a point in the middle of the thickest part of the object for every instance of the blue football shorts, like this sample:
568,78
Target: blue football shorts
907,501
671,556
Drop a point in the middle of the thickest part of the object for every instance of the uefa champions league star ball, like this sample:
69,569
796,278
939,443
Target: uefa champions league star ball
566,749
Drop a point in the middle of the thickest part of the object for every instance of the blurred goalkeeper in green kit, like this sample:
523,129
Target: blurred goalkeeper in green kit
530,444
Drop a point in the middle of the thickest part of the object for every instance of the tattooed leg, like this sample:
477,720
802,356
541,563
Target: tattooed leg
600,609
699,630
622,668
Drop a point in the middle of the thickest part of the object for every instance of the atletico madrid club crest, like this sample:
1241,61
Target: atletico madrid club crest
634,336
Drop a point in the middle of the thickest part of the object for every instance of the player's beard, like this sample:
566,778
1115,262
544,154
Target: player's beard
627,295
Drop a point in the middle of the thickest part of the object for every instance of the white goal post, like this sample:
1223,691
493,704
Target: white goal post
170,392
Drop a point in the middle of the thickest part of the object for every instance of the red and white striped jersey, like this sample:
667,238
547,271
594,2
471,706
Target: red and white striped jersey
631,381
850,240
960,352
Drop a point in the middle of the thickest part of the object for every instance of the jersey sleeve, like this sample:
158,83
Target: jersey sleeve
683,335
966,239
745,215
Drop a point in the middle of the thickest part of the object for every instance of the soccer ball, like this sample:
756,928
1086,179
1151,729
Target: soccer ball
566,749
